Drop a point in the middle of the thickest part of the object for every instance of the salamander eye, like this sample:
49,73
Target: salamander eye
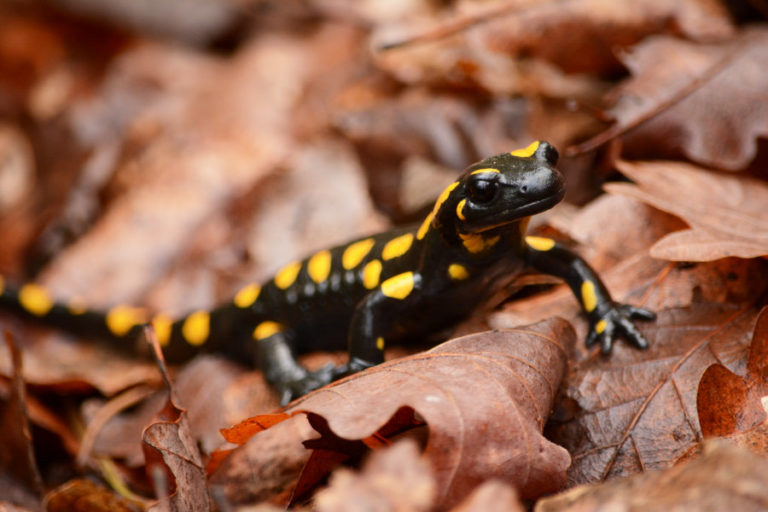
482,191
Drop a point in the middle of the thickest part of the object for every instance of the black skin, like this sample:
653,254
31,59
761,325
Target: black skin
478,224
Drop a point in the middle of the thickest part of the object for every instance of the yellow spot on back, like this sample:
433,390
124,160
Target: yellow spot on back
76,306
399,286
476,242
196,327
487,169
162,324
319,266
588,296
600,326
540,243
460,209
247,295
287,275
35,299
371,274
397,247
121,319
355,253
266,329
526,152
457,271
380,343
422,232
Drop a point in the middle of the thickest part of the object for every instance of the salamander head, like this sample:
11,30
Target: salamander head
499,190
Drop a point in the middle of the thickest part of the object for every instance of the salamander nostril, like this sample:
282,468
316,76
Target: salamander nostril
524,189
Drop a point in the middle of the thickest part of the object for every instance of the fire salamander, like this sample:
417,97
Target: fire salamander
390,287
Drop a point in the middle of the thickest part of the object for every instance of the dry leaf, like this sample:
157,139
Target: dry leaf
83,495
727,214
484,398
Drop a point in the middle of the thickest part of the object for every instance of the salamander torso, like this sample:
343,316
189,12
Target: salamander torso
376,290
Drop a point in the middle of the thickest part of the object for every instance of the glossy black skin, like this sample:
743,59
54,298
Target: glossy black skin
340,311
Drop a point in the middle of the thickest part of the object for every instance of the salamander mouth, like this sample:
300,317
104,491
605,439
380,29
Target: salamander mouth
511,215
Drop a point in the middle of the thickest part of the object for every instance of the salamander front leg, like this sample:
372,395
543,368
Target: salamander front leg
276,359
608,320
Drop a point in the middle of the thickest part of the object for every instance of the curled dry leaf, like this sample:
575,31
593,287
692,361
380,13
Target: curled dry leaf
636,410
484,397
724,478
733,406
708,100
727,214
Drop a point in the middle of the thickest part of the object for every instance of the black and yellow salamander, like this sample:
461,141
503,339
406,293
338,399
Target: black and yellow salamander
390,287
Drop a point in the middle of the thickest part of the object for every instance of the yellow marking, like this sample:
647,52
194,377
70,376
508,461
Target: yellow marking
35,299
460,209
196,328
319,266
399,286
540,243
247,295
588,296
121,319
397,247
355,253
162,324
457,271
526,152
422,232
476,243
600,326
380,343
76,306
266,329
371,274
487,169
287,275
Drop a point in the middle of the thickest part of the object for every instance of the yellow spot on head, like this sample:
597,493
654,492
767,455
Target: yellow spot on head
380,343
397,247
121,319
162,324
355,253
371,274
247,295
539,243
196,328
287,275
588,296
526,152
422,232
476,243
35,299
266,329
600,326
460,209
443,197
399,286
487,169
457,271
319,266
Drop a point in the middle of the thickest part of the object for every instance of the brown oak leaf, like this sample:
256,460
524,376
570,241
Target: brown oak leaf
727,214
484,397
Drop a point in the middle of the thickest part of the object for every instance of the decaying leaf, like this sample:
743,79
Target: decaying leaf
724,478
86,496
708,100
637,410
727,214
484,397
